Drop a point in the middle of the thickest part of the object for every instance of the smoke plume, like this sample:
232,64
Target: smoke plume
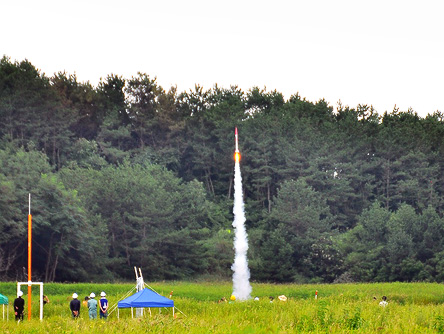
241,274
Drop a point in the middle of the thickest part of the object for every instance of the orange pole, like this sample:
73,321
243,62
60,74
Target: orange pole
29,257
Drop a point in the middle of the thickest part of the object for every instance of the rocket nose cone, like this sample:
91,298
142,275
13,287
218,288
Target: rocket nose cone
235,131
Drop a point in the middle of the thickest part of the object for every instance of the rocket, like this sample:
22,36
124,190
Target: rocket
237,155
236,140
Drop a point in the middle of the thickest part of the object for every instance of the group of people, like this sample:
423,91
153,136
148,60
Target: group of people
92,304
19,305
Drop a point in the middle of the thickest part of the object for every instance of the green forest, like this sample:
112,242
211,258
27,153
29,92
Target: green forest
131,174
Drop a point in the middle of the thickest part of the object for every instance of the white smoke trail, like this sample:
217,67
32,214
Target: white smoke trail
241,274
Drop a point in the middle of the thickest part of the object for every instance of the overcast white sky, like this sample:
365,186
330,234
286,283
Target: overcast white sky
378,52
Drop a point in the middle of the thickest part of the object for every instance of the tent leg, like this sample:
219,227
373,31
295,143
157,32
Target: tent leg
118,313
173,312
132,316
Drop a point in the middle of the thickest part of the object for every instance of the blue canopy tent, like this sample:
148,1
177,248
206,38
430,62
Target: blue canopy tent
145,298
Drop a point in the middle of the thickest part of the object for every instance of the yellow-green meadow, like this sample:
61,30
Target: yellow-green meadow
339,308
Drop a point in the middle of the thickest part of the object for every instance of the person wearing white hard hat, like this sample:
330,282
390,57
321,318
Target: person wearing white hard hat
92,306
103,306
74,305
19,306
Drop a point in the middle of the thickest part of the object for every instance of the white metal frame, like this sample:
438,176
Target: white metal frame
139,287
19,284
7,311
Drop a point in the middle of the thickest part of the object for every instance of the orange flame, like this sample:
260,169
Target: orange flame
237,156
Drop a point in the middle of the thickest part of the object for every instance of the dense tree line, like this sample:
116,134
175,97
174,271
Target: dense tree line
128,174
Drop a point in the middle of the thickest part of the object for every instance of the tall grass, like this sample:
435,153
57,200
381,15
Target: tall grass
342,308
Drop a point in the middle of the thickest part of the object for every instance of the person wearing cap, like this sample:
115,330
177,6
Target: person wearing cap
103,306
19,306
92,306
74,305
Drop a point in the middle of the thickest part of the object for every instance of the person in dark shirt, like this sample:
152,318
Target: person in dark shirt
103,306
74,305
19,306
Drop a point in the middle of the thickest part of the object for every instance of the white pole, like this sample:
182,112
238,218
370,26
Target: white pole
173,311
3,311
41,301
139,310
132,316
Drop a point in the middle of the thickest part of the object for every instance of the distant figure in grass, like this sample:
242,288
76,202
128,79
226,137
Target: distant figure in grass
19,306
223,300
271,299
85,301
103,306
45,300
383,302
92,306
74,306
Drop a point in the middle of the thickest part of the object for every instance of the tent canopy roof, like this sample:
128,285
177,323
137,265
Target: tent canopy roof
3,300
145,298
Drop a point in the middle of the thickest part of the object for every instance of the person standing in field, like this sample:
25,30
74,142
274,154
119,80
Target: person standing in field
19,306
74,305
103,306
85,301
45,300
92,306
383,302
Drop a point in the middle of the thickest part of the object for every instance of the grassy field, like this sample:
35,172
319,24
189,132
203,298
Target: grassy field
339,308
